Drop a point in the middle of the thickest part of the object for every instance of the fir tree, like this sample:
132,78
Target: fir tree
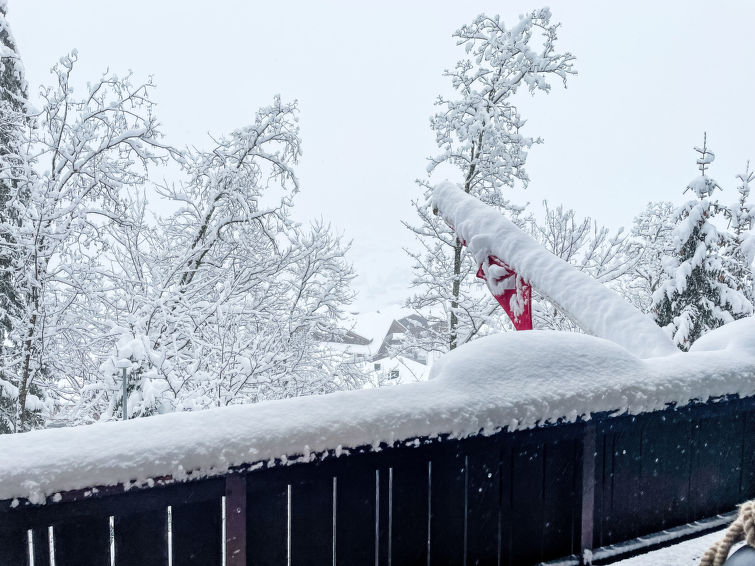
739,250
697,294
13,107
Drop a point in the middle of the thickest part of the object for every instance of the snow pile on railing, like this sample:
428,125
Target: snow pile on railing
593,307
513,380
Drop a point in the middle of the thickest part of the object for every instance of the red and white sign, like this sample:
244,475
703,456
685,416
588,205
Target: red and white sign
512,292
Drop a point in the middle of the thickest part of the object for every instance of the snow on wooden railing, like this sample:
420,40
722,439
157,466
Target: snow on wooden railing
476,460
592,306
512,380
566,492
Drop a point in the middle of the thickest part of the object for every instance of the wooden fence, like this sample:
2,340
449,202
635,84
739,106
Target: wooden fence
514,498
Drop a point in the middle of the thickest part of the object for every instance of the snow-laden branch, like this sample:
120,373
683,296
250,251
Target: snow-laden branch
592,306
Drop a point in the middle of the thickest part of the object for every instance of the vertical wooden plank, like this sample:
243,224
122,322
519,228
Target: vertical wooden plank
235,520
664,486
410,511
626,468
41,541
586,478
82,542
747,487
383,495
448,505
141,539
602,482
730,449
527,501
13,546
197,533
716,472
483,502
312,518
355,513
561,521
507,500
267,518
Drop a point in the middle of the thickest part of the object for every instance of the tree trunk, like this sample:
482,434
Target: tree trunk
456,286
455,294
23,388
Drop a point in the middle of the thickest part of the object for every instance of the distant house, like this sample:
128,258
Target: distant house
399,369
344,337
349,341
396,360
399,337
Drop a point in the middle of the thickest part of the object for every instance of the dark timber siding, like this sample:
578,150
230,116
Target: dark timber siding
514,498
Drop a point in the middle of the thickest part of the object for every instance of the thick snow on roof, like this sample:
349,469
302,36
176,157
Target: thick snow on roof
513,380
375,324
593,307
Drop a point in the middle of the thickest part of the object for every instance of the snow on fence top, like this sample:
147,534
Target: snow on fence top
593,307
511,380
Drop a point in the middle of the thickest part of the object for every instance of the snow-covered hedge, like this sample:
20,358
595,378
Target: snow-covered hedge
513,380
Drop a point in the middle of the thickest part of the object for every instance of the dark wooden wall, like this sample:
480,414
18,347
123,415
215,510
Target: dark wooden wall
658,470
513,498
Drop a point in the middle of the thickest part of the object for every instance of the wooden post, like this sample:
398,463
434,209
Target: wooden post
235,520
588,494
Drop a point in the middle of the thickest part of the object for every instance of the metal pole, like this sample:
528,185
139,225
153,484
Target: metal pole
125,394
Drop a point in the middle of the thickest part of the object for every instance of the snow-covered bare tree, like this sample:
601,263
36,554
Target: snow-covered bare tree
479,133
84,154
698,293
225,300
13,108
650,241
586,246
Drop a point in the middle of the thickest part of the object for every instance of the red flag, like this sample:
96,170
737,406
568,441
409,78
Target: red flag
512,292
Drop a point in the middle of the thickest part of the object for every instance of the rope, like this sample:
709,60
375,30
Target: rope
743,528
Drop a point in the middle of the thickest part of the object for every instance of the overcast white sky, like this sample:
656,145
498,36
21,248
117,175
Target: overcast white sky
652,77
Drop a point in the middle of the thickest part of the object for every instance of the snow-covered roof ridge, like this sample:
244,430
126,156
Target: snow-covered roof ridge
513,380
592,306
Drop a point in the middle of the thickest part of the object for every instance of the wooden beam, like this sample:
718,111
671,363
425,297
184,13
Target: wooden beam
588,494
235,520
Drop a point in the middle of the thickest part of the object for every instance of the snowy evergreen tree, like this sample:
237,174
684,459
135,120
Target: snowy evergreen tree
698,294
739,250
13,108
479,134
